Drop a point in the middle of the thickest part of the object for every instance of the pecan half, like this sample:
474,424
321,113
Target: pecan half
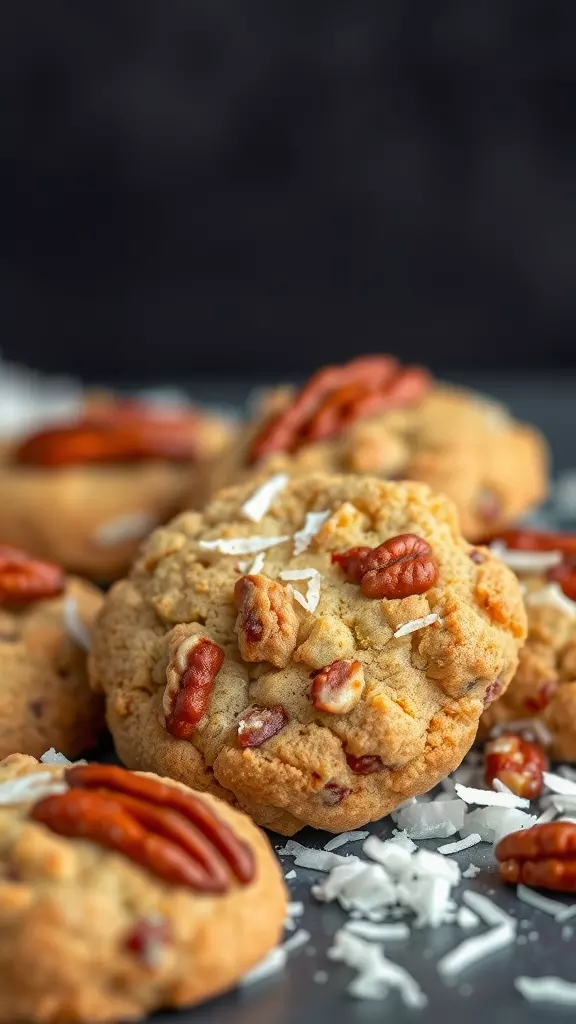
517,763
114,432
167,829
267,623
366,764
259,724
543,856
337,396
190,675
23,578
401,566
337,688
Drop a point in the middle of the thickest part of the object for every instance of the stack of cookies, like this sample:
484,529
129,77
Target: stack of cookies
314,639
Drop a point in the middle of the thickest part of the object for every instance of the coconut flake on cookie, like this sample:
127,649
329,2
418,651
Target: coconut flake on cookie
127,527
259,504
76,629
241,545
312,523
414,624
553,596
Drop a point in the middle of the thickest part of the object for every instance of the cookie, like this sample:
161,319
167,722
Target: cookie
374,416
541,698
116,903
86,493
250,654
45,698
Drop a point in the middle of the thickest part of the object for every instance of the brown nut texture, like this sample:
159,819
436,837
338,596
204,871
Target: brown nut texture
335,397
169,831
24,579
366,764
543,857
259,724
190,675
400,567
516,763
267,623
337,688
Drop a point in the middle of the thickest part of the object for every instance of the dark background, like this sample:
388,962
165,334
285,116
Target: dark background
255,187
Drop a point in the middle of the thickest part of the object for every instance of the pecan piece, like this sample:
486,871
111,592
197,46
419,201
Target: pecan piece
236,853
542,696
352,562
337,688
267,623
190,675
25,579
543,856
537,540
517,763
337,396
401,566
366,764
115,432
166,829
259,724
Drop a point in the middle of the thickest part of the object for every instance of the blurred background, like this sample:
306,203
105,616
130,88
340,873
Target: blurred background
209,188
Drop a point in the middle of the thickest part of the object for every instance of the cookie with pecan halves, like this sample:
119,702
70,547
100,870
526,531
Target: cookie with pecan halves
316,651
85,493
542,695
376,416
45,698
119,893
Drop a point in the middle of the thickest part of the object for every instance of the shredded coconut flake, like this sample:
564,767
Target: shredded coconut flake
259,504
466,919
558,784
438,819
471,871
76,629
473,950
487,798
378,932
462,844
312,523
343,838
487,910
530,726
377,974
130,526
548,989
392,855
535,899
493,823
415,624
312,598
552,595
319,860
241,545
298,574
273,963
28,788
296,941
548,815
291,874
257,564
52,756
566,913
526,561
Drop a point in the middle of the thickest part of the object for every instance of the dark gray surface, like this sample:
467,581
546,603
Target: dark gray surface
293,996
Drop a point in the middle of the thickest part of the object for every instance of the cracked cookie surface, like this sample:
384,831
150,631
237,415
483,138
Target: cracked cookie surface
297,635
89,936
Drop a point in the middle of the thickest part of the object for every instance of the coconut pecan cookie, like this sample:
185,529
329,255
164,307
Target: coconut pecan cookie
541,698
45,699
87,492
377,417
121,894
317,651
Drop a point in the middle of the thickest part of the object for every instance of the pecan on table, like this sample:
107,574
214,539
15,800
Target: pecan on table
543,856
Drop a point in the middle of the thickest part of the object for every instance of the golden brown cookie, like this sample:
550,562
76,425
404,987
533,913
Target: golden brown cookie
113,905
45,699
249,655
542,696
86,493
374,416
